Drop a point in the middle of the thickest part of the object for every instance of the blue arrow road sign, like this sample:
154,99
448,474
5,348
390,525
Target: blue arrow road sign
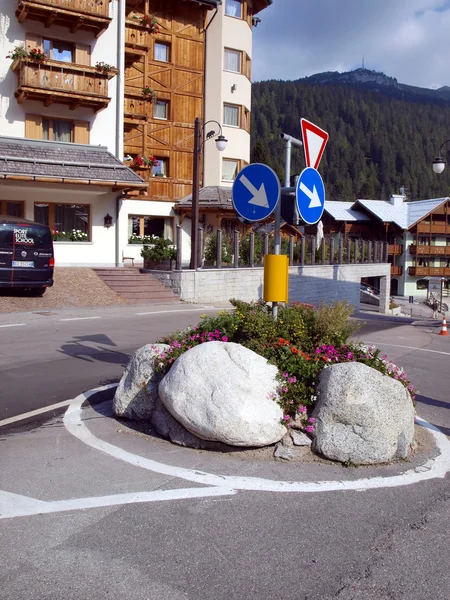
310,195
255,193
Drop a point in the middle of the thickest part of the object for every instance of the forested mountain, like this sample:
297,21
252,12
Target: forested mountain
383,135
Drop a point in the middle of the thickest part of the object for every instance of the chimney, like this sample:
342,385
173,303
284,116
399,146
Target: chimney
396,200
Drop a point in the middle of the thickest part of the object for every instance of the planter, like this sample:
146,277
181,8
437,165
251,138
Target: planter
162,265
136,242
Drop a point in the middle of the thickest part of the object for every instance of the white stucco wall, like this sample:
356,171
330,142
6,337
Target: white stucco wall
100,250
225,32
12,114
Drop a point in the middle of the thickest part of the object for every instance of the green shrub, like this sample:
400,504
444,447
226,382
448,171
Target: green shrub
244,250
160,250
211,249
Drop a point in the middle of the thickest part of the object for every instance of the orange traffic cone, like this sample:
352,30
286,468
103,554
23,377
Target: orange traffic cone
444,327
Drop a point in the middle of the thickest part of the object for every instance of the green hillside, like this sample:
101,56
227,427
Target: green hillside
382,136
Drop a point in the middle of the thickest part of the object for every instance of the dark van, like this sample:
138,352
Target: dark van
26,255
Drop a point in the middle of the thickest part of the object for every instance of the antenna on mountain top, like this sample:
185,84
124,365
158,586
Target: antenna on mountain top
363,62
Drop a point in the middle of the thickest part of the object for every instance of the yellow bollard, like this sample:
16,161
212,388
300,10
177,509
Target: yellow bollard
276,278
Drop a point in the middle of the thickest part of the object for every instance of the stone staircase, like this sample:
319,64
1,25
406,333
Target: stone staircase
136,287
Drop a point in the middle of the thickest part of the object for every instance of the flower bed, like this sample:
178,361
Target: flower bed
76,235
301,342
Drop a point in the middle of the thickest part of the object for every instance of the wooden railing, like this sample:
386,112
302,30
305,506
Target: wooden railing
429,250
135,107
91,7
135,36
395,249
441,228
396,271
431,271
55,81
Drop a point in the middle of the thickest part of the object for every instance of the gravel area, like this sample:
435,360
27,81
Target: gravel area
73,287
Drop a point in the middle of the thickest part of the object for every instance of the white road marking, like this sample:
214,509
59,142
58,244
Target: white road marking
163,312
34,413
80,318
434,468
409,348
14,505
13,325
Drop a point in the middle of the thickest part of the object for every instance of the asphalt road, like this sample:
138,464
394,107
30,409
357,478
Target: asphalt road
380,544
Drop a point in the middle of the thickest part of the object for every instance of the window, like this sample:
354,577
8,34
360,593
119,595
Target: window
57,130
12,208
233,8
232,60
57,50
231,115
162,168
162,52
229,169
161,109
64,218
143,225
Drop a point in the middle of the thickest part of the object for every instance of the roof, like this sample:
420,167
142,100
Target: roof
217,197
343,211
61,162
259,5
404,214
209,3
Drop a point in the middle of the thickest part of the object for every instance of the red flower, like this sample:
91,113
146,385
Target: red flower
294,350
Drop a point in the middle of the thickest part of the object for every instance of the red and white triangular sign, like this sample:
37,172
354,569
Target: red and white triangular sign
314,142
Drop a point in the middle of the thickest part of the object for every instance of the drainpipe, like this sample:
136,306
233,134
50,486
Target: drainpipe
116,242
120,79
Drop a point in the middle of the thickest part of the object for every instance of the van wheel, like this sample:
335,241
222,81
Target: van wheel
38,291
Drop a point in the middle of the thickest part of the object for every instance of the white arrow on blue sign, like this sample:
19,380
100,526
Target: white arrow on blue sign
310,195
255,193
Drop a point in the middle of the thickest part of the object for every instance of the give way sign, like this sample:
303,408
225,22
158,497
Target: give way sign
314,142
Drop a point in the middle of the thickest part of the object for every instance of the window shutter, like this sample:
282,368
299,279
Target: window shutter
81,132
33,127
82,54
247,119
247,67
34,40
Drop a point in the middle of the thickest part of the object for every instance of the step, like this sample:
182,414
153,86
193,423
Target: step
135,287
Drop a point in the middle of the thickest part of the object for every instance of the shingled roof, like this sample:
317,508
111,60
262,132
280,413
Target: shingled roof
216,197
61,162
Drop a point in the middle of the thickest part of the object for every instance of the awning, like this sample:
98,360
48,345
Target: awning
61,162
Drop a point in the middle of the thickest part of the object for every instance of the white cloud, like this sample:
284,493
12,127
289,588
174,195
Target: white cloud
406,39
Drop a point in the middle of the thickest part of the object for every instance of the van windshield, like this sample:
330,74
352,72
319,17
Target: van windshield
32,236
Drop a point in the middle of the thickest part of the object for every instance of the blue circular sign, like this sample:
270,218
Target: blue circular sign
310,195
255,193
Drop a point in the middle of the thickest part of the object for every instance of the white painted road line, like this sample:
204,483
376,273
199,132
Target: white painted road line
14,505
409,348
80,318
434,468
163,312
13,325
35,413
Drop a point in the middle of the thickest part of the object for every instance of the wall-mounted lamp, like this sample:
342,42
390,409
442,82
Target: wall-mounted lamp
107,220
233,88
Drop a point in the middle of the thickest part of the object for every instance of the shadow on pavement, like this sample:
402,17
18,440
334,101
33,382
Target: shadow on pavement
78,348
432,401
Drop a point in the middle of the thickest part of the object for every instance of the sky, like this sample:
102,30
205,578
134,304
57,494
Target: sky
406,39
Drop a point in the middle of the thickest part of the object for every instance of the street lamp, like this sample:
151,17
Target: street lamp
439,162
199,140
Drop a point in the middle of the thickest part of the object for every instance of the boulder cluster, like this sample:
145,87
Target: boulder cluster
221,395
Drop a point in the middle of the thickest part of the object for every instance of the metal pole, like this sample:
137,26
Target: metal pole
195,193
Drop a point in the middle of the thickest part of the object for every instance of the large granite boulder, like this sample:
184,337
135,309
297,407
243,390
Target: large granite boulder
137,391
362,416
224,392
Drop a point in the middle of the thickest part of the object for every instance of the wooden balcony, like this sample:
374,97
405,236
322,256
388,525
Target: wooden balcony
92,15
395,249
137,38
430,271
396,271
136,108
63,83
436,228
429,250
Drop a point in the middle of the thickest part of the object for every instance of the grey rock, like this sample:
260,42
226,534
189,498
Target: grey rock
223,392
283,452
287,440
300,439
137,391
362,416
170,429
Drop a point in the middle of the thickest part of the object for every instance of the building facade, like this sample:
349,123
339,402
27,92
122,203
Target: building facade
130,77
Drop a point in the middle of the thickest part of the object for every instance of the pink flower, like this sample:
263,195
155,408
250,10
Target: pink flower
302,409
309,429
287,418
311,420
224,338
